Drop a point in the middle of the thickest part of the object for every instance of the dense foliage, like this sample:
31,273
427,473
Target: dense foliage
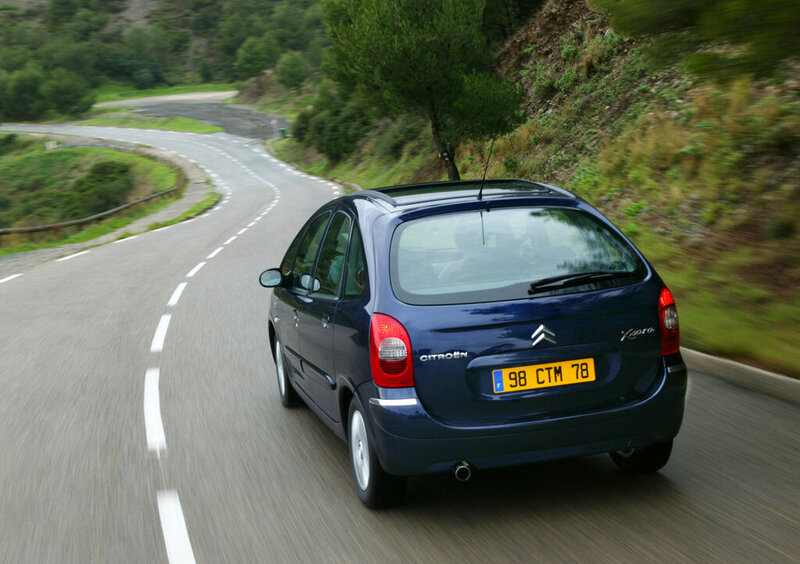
52,57
725,38
427,59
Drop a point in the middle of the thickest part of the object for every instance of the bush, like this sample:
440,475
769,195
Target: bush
292,70
67,93
511,164
401,132
255,55
301,125
107,185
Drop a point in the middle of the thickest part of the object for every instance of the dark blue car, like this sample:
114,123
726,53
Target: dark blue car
454,326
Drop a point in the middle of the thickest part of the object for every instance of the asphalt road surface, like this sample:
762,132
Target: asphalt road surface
140,422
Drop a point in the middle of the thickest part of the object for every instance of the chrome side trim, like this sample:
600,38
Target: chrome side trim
676,368
393,402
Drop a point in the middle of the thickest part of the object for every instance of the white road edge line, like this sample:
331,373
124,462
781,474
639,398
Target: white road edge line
195,270
176,295
7,278
161,333
153,428
241,231
217,251
72,256
229,241
126,239
173,526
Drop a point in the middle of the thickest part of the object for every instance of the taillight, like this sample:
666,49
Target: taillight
390,353
668,317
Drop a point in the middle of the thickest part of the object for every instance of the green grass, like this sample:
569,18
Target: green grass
34,183
209,202
286,104
49,240
142,121
366,173
154,173
114,91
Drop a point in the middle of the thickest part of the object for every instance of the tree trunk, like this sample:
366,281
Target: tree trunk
447,152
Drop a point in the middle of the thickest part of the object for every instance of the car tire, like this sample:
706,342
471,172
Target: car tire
375,487
650,458
289,397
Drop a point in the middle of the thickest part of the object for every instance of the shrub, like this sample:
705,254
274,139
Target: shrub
292,70
511,164
567,80
106,186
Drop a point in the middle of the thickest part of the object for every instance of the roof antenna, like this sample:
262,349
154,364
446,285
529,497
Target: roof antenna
486,168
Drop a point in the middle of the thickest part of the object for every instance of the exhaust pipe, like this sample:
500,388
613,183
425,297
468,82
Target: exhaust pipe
462,471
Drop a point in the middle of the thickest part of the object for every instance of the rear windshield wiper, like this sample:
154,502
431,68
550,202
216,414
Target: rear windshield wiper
576,279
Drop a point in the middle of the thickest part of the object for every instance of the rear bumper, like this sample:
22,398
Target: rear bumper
409,441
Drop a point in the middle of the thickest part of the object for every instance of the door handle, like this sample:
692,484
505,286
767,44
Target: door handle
326,321
294,316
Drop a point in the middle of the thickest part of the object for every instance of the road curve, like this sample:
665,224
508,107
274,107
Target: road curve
140,422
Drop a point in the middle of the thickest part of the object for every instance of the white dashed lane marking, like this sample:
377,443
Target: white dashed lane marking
176,295
195,270
9,278
161,333
72,256
173,526
154,429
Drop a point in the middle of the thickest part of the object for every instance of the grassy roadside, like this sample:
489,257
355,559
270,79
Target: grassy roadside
113,91
142,121
211,200
36,182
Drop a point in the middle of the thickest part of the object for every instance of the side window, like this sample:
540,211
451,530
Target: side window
291,252
356,271
331,258
307,252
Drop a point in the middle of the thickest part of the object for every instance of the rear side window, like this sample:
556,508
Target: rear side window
356,272
331,258
507,254
307,252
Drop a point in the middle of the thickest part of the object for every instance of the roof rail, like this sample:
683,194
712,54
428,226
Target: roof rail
375,194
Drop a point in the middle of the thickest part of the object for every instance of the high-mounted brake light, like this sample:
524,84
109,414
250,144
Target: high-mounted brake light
668,323
390,353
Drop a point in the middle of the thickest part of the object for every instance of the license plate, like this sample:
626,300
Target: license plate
535,376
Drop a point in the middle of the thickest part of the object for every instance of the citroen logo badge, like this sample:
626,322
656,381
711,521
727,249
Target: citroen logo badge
543,334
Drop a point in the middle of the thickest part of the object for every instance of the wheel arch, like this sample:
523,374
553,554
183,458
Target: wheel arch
272,337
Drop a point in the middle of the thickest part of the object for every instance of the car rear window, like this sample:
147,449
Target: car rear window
508,254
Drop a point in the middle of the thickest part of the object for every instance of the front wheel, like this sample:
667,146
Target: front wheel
376,488
289,397
650,458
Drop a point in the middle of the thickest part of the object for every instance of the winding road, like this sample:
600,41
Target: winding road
140,422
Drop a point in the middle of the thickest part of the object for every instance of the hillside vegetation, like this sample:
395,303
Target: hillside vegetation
41,186
703,175
55,55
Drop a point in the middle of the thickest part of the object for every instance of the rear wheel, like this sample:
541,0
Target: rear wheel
644,459
376,488
289,397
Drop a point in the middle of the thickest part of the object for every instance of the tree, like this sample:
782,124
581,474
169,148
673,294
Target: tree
67,93
425,58
255,55
288,26
292,69
23,96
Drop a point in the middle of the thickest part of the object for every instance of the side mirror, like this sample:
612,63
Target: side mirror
271,278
